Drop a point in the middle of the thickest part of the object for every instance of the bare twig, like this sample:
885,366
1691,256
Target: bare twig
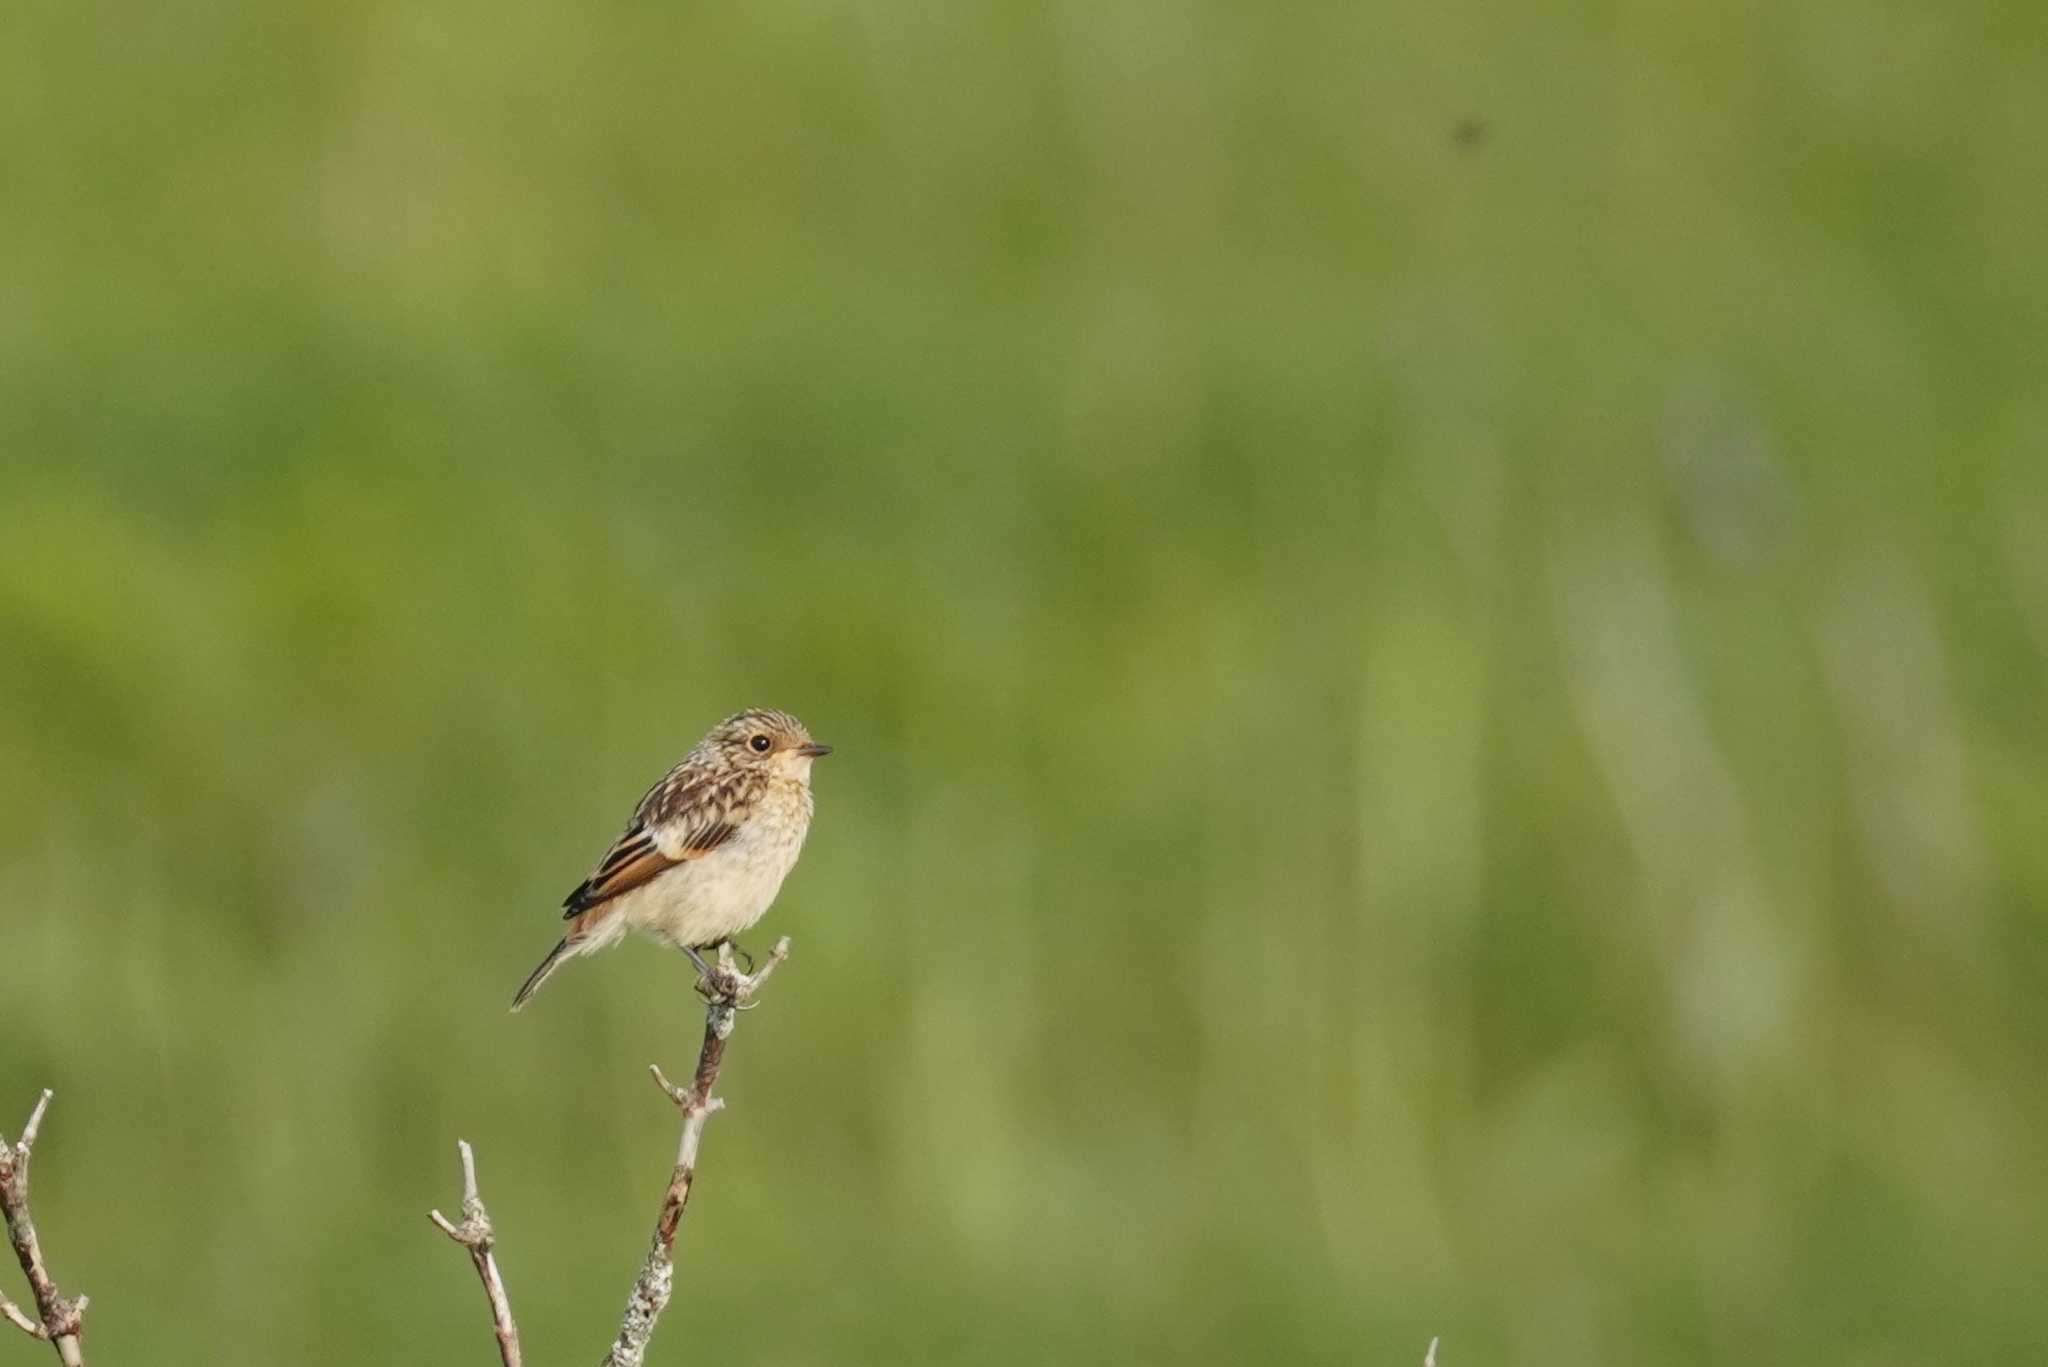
1429,1358
474,1234
10,1312
727,993
59,1321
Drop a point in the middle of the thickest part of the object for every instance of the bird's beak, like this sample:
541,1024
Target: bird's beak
813,750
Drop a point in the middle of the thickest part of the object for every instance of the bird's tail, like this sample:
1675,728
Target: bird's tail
564,948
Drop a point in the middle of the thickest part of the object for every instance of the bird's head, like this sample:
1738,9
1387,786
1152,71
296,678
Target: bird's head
763,738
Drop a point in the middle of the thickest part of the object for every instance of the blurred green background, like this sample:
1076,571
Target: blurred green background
1436,619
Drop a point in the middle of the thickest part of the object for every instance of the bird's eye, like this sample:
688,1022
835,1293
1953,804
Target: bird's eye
760,744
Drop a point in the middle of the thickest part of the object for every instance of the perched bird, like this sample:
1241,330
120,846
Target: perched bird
707,848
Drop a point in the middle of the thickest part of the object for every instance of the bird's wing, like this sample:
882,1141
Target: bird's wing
678,820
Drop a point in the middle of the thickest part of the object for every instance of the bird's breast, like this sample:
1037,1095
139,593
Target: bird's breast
702,901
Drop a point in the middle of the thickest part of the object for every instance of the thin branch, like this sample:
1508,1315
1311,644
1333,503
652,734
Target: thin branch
11,1312
727,993
474,1234
59,1321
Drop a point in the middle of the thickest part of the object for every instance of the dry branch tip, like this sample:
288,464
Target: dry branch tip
58,1319
35,1123
10,1312
474,1234
679,1095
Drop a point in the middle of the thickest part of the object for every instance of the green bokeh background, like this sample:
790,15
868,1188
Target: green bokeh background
1436,618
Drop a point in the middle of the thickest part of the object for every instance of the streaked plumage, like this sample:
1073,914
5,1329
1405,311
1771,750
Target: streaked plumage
707,848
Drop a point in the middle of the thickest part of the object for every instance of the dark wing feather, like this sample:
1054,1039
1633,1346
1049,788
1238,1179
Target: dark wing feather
627,864
677,820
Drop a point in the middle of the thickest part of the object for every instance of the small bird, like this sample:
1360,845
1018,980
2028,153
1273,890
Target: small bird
707,848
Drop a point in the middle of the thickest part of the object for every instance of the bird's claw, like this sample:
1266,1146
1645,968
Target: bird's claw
712,982
724,983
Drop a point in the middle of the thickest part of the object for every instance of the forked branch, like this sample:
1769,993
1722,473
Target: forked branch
474,1234
59,1321
727,992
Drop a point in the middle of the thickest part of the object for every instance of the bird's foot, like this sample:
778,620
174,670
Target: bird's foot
735,988
713,983
721,983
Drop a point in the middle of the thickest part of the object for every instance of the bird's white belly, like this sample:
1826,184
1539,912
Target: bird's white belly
702,901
